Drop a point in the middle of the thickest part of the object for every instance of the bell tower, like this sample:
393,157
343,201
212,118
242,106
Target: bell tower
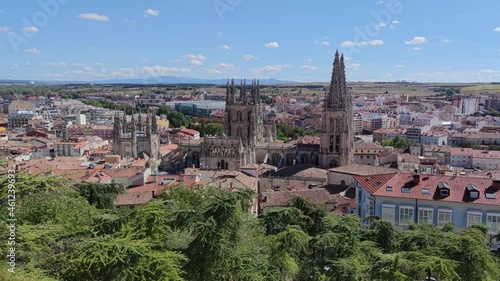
337,140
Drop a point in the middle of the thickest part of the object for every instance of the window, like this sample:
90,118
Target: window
405,215
425,215
389,213
444,192
474,194
444,217
474,218
493,221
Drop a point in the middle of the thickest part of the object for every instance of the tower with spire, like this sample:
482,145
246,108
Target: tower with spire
337,140
129,139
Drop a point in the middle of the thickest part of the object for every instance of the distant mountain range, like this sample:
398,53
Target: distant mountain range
147,81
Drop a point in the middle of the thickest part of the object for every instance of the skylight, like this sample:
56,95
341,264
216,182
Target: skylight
405,189
389,188
426,191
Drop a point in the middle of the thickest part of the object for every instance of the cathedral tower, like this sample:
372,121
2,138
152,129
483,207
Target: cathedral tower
337,140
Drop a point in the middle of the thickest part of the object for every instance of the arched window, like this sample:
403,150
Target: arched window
275,159
222,165
289,159
239,116
331,144
304,159
342,182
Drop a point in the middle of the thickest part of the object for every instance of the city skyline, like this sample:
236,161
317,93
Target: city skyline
382,40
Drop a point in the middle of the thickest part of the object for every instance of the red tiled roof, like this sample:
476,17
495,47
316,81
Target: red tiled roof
123,172
376,185
132,199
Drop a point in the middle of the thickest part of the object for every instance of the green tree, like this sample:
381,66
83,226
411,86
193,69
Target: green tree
101,195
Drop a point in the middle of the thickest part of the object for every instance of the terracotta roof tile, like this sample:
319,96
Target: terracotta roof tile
357,169
133,199
429,183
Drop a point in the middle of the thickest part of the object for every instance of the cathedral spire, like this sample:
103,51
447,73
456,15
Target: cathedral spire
227,93
125,125
232,91
148,125
140,128
154,124
243,91
336,96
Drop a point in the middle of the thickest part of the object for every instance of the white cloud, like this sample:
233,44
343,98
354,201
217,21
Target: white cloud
221,68
380,3
195,62
376,42
226,47
225,65
4,29
388,74
417,40
152,12
195,57
94,16
347,44
417,48
219,33
354,66
99,63
30,29
400,65
395,22
55,64
309,67
323,42
380,26
271,68
496,29
446,41
32,51
249,57
272,45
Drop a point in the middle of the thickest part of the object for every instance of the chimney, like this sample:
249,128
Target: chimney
496,184
416,178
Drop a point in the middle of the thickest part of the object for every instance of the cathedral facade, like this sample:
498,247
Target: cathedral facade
134,139
248,139
244,130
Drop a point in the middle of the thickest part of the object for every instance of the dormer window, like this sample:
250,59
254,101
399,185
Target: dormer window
473,191
444,189
444,192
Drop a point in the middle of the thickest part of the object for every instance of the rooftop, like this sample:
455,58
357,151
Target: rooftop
363,170
401,185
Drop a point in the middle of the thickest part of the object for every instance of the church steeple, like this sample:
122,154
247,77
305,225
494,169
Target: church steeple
337,140
336,99
154,124
140,127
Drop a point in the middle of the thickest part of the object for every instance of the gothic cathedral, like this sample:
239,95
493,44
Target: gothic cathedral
337,140
137,140
249,138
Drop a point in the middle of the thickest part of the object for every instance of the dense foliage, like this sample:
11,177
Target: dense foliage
207,234
206,126
397,142
287,132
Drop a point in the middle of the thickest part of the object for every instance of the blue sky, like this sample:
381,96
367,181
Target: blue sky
427,41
